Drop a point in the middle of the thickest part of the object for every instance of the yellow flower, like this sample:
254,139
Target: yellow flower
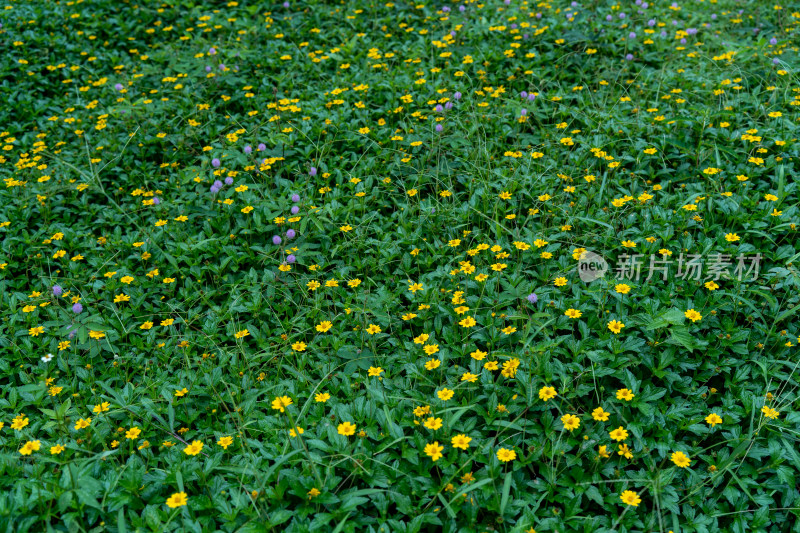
179,499
467,322
324,326
445,394
713,419
414,287
547,393
281,402
299,346
241,334
433,423
57,449
573,313
322,397
194,448
625,394
600,415
372,329
571,422
622,288
83,423
630,498
133,433
434,450
770,412
29,447
615,326
346,428
506,455
374,372
731,237
693,315
680,459
461,442
619,434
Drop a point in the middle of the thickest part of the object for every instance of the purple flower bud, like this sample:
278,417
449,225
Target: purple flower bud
222,66
523,94
446,9
532,298
208,68
291,259
645,5
663,33
439,128
229,181
77,308
683,41
609,18
651,22
775,61
276,240
286,4
262,147
71,335
448,105
118,87
248,149
453,33
507,2
295,198
57,290
629,57
531,97
211,51
215,163
632,35
713,16
574,4
295,210
773,41
523,112
538,15
217,184
312,171
214,189
622,15
438,108
457,96
156,200
290,234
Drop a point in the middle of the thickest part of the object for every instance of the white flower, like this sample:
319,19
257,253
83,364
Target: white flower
47,358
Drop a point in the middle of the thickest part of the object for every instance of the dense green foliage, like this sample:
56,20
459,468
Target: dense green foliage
314,266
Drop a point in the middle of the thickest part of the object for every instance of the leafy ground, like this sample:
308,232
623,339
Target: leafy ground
314,266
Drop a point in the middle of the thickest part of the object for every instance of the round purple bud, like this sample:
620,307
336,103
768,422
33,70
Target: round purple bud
295,210
215,163
211,51
629,57
276,240
57,290
448,105
77,308
214,189
532,298
156,200
217,184
229,181
208,68
632,35
295,198
523,112
609,18
286,4
457,96
773,41
462,8
290,234
118,87
531,97
651,22
312,171
222,66
775,61
248,149
523,94
291,259
438,108
439,128
262,147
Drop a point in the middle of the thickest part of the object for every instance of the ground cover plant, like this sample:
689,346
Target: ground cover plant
395,266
